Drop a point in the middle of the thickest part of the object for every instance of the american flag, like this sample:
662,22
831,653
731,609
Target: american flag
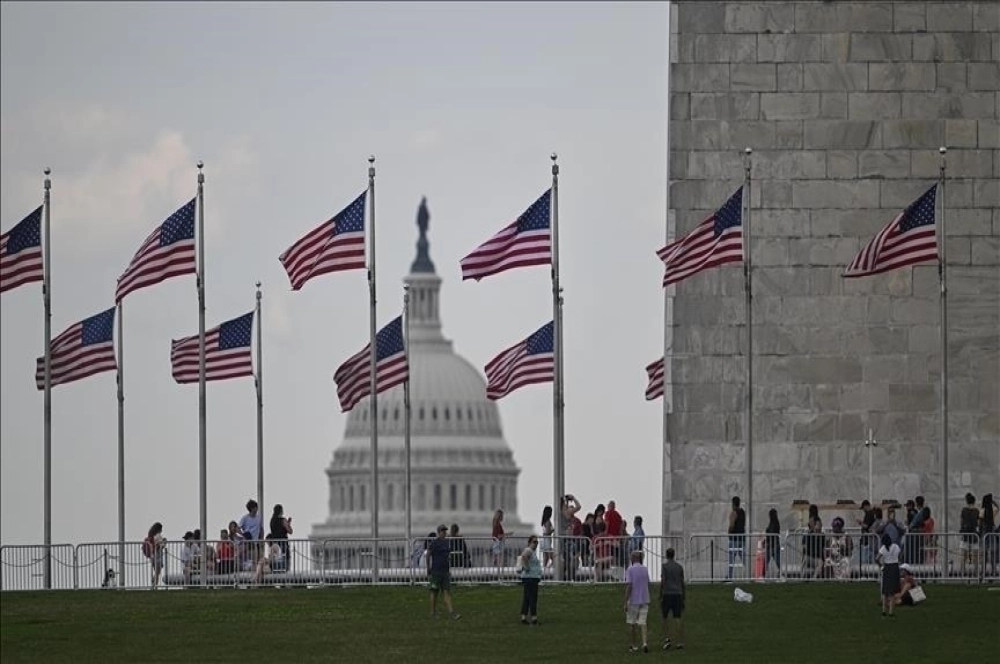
21,252
717,240
527,241
655,373
353,377
910,238
84,349
338,244
528,362
227,352
167,252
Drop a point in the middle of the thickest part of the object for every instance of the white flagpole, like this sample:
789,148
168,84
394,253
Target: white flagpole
406,420
47,408
371,367
121,444
748,286
558,452
942,275
259,384
202,432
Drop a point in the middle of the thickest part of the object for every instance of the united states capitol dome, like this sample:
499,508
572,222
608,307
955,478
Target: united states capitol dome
462,469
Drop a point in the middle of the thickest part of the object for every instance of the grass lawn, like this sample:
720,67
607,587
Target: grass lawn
785,623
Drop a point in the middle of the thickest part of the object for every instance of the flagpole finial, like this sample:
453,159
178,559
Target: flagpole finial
48,171
371,159
555,166
201,176
48,182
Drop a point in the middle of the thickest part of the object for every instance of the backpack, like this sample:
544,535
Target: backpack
147,547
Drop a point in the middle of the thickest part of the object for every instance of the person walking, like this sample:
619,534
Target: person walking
672,594
439,571
637,601
531,577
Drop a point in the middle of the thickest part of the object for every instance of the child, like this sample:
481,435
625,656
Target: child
888,558
636,600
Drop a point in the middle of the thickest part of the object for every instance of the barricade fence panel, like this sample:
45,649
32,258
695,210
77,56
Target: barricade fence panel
24,567
707,557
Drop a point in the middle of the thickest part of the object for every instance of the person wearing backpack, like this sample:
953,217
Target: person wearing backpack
152,548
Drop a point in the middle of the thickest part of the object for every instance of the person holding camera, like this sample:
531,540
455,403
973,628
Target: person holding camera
281,528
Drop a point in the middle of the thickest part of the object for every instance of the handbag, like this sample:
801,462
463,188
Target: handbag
917,594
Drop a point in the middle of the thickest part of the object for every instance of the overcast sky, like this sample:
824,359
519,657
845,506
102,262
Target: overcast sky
459,102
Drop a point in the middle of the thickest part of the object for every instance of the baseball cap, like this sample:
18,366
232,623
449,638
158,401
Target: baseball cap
443,528
906,566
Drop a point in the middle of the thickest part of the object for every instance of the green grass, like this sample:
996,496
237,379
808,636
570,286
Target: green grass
785,623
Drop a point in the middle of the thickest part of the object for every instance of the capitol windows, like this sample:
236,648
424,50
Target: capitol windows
390,497
458,413
468,498
468,412
447,414
482,498
350,493
342,503
385,414
421,497
421,412
434,414
395,414
493,496
364,496
437,497
453,497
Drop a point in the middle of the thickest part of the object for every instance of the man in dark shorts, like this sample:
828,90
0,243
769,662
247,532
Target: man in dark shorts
439,571
672,599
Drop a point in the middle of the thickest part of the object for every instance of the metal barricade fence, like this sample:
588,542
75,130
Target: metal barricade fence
23,567
990,556
108,565
707,557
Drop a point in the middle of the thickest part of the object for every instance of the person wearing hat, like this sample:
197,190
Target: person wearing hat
908,588
439,571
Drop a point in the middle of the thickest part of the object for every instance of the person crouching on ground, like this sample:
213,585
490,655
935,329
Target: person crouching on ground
907,584
439,571
636,600
531,576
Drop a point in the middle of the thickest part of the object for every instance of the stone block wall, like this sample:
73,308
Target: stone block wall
844,105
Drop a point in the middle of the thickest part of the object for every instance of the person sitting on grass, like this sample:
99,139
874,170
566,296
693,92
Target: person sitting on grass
908,587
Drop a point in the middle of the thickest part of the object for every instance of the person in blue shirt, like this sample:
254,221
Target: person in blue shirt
439,571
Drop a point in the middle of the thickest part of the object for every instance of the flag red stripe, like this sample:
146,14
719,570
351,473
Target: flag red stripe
220,364
321,252
153,264
70,360
354,379
21,268
506,250
655,373
700,250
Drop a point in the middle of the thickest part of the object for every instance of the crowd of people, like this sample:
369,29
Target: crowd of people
242,546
